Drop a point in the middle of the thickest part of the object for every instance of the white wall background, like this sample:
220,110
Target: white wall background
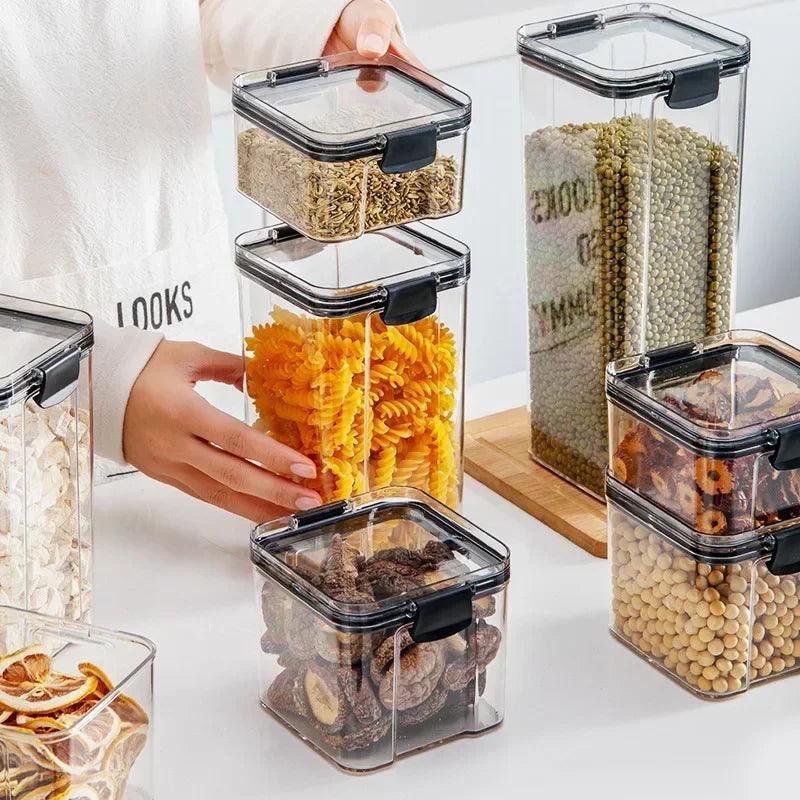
470,43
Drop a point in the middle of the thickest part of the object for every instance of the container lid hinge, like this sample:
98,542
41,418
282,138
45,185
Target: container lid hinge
786,454
323,513
410,301
694,86
58,377
297,72
411,149
581,24
442,614
786,553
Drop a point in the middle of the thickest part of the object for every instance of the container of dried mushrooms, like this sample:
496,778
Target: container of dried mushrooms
76,711
633,129
343,145
45,458
384,626
704,509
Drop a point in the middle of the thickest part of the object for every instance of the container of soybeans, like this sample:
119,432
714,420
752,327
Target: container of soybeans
633,129
342,145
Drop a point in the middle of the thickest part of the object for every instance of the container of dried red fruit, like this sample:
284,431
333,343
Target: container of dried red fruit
704,509
385,621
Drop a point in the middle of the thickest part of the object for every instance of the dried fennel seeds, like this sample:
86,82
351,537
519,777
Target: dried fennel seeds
628,249
331,201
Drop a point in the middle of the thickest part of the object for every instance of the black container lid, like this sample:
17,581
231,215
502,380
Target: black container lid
344,107
777,544
636,50
723,396
41,347
459,561
396,271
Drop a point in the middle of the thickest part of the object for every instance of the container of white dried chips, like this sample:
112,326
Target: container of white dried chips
342,145
45,458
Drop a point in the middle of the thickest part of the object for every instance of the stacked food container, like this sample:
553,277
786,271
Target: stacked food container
633,124
385,611
704,503
75,700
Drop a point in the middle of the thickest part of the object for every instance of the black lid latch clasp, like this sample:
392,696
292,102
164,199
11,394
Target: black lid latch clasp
410,149
694,86
786,454
442,614
410,301
785,558
58,377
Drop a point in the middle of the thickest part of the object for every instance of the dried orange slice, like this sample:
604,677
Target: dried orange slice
51,790
31,664
41,724
129,711
123,753
104,683
38,699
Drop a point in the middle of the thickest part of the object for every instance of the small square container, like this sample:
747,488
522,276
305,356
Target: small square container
343,145
633,126
77,710
710,430
45,458
716,613
385,626
355,355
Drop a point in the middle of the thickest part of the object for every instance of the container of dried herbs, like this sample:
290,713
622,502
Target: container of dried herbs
384,626
343,145
633,130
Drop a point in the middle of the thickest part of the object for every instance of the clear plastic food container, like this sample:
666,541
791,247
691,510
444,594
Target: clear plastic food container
45,458
355,355
76,711
710,430
633,126
716,613
385,626
343,145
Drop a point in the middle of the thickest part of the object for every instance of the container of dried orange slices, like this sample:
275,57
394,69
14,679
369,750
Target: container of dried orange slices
355,354
75,711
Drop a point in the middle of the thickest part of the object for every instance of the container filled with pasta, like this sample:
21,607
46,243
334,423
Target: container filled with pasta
342,145
354,355
75,710
45,458
384,626
633,122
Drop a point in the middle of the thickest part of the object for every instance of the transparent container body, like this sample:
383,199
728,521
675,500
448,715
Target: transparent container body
78,705
364,692
372,404
314,144
45,462
632,211
716,627
697,435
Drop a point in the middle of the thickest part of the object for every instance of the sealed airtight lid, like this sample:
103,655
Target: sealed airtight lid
725,395
41,347
345,107
396,271
393,556
635,50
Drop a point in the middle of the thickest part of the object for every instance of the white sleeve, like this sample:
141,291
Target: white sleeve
119,355
242,35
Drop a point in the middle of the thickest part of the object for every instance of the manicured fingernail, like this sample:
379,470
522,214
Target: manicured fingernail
373,43
303,470
306,503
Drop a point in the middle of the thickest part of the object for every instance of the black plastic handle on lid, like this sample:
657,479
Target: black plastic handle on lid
785,559
59,378
411,149
410,301
694,86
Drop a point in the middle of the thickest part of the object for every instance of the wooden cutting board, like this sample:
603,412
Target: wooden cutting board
496,454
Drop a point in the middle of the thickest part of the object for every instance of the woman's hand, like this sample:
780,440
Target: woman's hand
371,27
173,435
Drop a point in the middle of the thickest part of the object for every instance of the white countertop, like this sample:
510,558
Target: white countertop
585,718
